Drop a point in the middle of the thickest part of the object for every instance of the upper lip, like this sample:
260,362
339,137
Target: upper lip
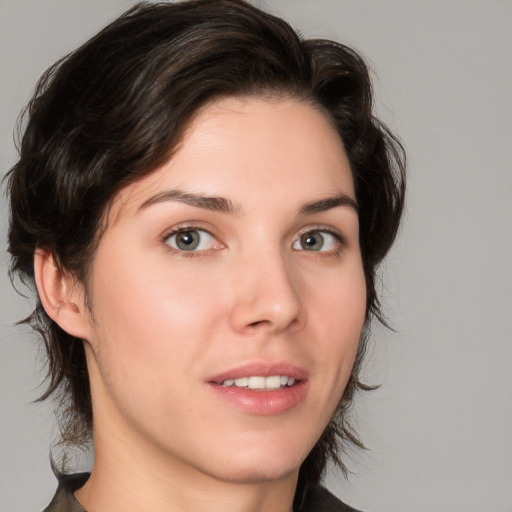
260,368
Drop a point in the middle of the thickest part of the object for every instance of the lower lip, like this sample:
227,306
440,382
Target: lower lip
262,403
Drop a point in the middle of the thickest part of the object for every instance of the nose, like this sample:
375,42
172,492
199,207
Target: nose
266,296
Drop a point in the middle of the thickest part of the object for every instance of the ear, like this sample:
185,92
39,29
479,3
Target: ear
61,295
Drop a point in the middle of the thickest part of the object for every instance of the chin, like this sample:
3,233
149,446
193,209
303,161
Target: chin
258,467
256,475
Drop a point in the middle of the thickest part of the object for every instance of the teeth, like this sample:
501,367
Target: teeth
273,382
257,382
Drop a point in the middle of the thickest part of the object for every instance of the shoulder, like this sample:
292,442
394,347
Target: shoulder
64,499
319,499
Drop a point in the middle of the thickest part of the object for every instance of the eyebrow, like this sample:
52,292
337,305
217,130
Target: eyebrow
223,205
328,203
217,204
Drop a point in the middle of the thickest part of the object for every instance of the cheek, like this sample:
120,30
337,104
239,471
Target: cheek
144,311
341,319
149,331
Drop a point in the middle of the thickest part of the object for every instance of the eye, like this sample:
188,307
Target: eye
190,240
317,241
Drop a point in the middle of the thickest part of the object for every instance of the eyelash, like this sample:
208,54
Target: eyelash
340,240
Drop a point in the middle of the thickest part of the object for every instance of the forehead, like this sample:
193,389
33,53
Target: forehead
251,149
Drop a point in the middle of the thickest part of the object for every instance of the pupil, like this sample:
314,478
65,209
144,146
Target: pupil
187,240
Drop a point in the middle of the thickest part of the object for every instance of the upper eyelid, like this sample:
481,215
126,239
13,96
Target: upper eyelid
187,226
175,231
328,229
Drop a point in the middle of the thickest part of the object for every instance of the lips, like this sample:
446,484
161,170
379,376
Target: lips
261,388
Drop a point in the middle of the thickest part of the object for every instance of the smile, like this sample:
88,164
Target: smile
260,383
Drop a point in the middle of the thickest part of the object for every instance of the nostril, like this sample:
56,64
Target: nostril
269,324
259,323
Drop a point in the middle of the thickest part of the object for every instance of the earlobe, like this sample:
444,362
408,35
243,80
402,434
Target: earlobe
61,295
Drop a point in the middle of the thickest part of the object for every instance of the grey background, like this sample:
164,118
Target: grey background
439,430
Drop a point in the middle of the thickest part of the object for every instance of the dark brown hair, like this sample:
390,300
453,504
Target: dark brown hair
112,111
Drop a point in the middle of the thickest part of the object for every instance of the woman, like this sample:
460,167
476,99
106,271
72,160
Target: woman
201,200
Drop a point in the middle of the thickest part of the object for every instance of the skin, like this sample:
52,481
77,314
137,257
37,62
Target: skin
163,321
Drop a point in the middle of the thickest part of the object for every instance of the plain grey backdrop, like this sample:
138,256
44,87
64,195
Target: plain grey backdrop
439,429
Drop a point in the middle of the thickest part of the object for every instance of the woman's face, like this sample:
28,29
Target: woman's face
228,296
